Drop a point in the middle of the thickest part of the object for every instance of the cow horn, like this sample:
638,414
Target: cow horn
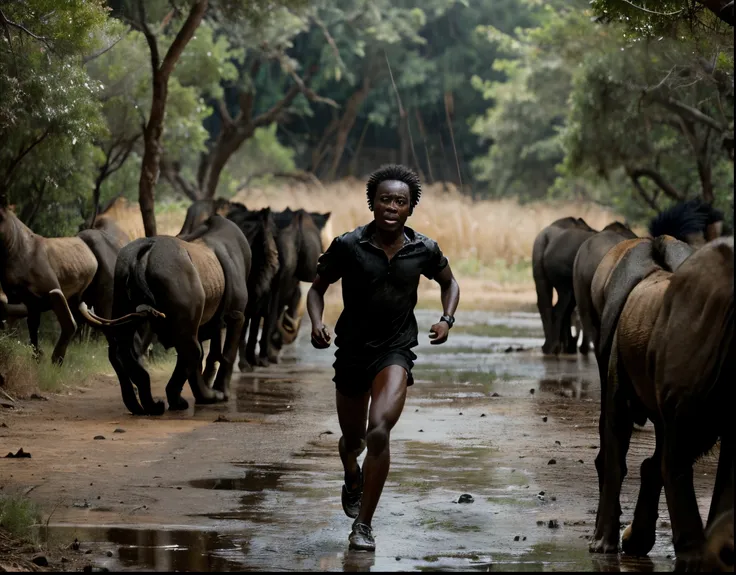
142,311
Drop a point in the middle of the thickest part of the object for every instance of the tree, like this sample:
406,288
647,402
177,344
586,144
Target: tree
660,110
48,113
136,14
529,102
653,17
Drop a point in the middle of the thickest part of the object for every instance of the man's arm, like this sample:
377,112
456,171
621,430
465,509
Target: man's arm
315,308
450,295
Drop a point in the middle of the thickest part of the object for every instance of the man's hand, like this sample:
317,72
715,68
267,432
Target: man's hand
321,336
438,332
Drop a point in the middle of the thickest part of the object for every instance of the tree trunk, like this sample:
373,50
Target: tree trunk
403,139
346,123
228,142
420,123
358,149
152,154
155,126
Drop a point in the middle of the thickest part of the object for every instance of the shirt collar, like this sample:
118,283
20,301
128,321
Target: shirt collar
368,230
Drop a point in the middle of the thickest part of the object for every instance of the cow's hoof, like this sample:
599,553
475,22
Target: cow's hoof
245,367
637,542
603,545
273,358
178,403
213,397
157,408
262,362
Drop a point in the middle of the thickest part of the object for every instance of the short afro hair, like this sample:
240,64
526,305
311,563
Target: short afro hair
398,173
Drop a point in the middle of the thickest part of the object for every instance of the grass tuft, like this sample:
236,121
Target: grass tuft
18,516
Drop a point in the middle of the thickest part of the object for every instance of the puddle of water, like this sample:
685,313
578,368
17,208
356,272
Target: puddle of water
191,550
267,396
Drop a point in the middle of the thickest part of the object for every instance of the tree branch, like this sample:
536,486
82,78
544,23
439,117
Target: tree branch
150,37
303,88
652,11
5,22
299,86
88,59
657,178
330,40
172,172
224,114
686,111
22,154
182,38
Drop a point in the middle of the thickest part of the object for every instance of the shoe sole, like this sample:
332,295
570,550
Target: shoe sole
354,547
345,508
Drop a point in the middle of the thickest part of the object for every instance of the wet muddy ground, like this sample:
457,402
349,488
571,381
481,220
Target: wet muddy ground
255,484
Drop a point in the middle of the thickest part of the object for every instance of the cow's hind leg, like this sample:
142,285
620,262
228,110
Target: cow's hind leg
191,350
722,500
126,386
250,347
213,356
618,425
33,321
638,538
138,374
176,384
234,326
66,320
677,471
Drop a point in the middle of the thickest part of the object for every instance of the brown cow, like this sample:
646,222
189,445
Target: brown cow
44,273
671,361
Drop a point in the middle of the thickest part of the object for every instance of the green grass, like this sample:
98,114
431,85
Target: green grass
18,515
501,271
24,375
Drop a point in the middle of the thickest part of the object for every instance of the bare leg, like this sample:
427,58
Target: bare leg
352,412
388,394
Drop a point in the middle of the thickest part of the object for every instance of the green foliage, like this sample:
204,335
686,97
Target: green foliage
256,160
18,515
49,113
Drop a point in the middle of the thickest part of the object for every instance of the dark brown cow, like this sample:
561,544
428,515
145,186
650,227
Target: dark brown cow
197,285
671,361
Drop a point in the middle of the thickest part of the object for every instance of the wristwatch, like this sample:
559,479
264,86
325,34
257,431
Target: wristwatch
449,319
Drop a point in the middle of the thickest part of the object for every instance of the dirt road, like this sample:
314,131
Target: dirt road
255,484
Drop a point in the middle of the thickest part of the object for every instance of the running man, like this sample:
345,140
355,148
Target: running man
380,264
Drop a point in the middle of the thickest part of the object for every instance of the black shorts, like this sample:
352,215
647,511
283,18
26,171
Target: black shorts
354,373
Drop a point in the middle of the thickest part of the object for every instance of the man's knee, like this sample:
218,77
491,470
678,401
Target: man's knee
353,442
377,439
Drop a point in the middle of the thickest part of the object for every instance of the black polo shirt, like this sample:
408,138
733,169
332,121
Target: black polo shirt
378,296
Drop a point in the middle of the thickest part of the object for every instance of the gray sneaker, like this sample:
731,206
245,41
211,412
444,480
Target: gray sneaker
351,499
361,538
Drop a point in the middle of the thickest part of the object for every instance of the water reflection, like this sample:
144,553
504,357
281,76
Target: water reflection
264,395
568,387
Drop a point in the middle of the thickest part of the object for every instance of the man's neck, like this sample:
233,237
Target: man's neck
389,237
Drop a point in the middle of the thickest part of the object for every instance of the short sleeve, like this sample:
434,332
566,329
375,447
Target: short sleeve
436,261
331,263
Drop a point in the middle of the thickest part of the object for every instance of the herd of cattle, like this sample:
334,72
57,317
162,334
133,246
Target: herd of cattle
227,269
659,312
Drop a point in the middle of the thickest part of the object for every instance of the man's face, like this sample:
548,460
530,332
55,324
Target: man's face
391,205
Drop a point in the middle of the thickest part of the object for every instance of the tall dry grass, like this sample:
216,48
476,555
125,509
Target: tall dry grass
489,242
487,231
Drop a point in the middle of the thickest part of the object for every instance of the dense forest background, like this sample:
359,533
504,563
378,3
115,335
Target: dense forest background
628,104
